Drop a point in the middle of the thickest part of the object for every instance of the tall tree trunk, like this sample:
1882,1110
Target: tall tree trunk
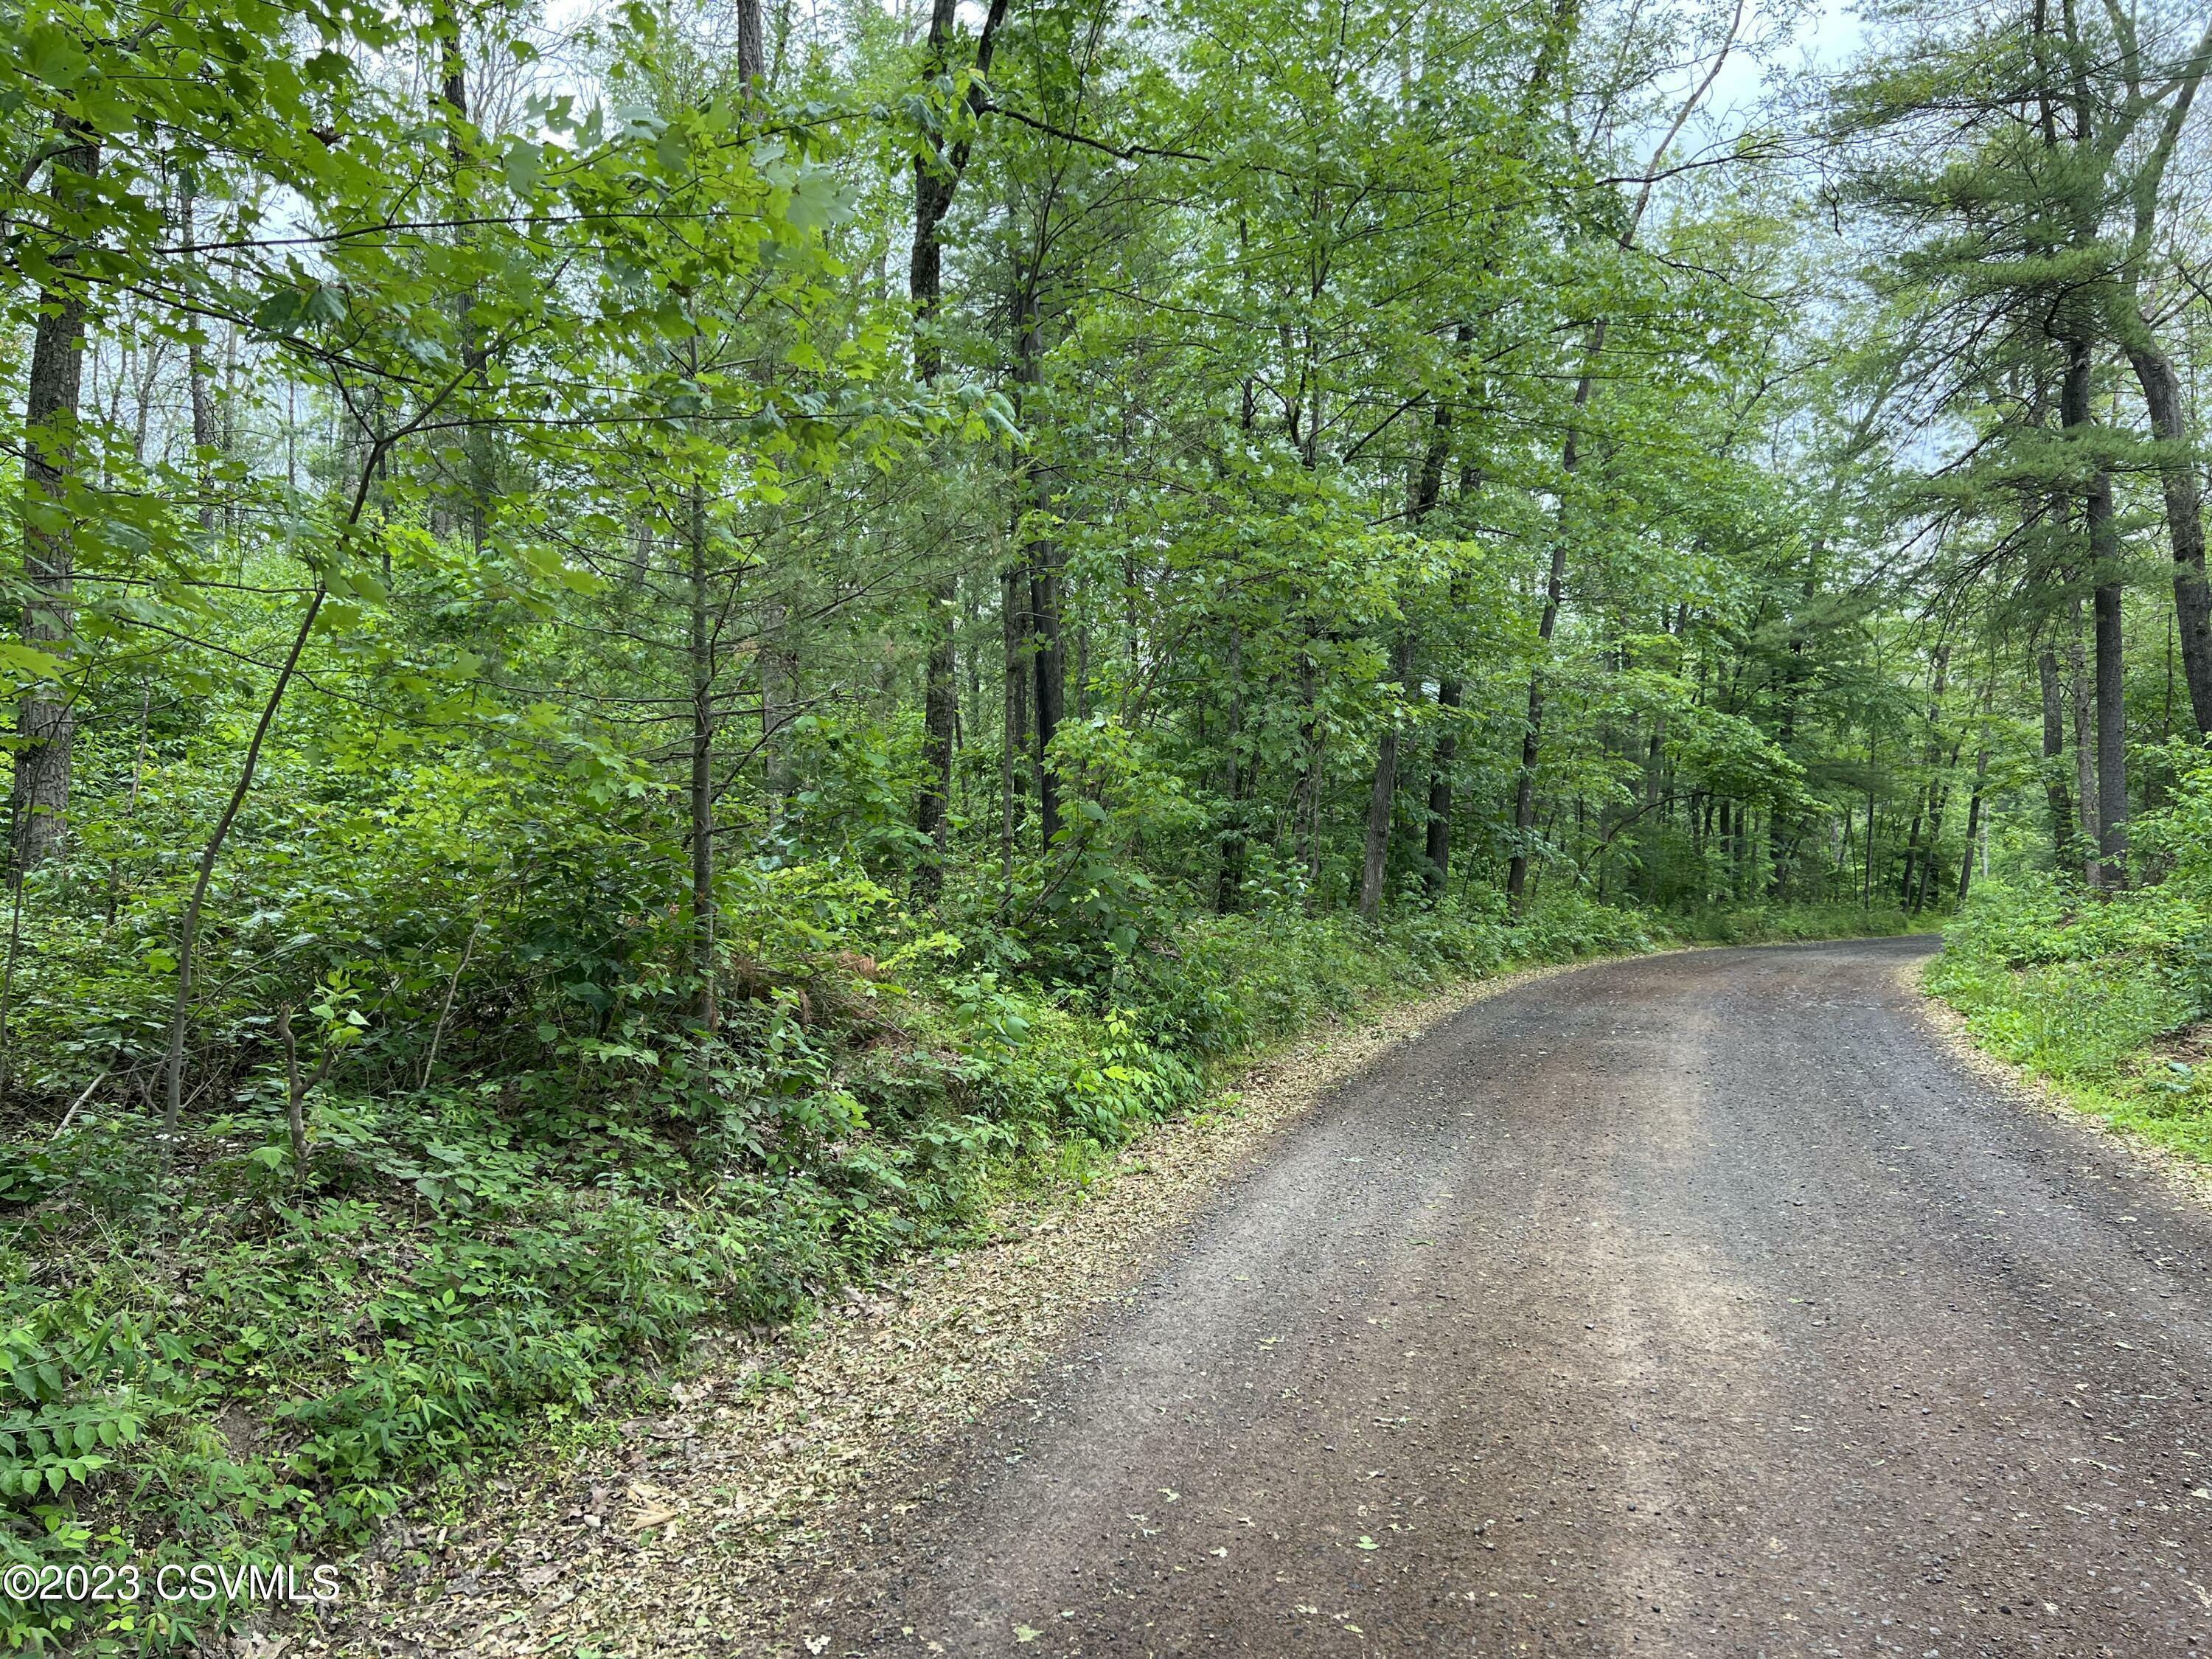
2110,833
2112,736
2063,848
1524,794
46,725
2185,520
1555,583
1040,557
1428,489
1374,863
1981,783
1438,847
1305,797
1013,606
752,49
937,174
1428,486
707,1006
196,371
2085,754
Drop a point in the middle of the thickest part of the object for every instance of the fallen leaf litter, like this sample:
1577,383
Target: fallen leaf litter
678,1542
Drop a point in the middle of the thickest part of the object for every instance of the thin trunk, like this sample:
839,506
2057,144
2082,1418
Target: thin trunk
779,699
46,728
2063,848
2185,520
1555,582
707,1006
1040,557
1014,604
1981,787
1437,848
195,374
1305,799
936,176
2085,759
2111,735
1384,796
172,1064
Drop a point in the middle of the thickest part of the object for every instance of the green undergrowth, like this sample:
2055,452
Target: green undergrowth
2106,998
2107,995
257,1363
1774,923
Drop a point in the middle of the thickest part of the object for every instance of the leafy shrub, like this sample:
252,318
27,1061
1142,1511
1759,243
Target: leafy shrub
2102,992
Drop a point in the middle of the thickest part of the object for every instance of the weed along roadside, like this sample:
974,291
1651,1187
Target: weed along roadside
2102,1000
673,670
289,1375
676,1527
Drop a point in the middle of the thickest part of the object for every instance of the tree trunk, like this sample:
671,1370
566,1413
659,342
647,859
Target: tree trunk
1013,606
2185,522
936,176
1437,848
752,49
940,708
1981,783
1555,582
1374,863
2055,792
196,376
2085,761
1305,798
46,725
1040,557
702,764
2111,735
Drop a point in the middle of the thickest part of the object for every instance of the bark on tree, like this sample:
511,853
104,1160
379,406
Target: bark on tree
196,375
2112,737
1555,582
1040,559
1437,848
936,176
752,48
706,1005
2184,519
1981,785
2085,758
1384,793
45,726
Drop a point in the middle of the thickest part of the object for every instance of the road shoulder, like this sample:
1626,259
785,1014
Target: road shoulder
1948,1029
680,1540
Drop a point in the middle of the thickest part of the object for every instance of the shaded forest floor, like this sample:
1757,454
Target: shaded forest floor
258,1372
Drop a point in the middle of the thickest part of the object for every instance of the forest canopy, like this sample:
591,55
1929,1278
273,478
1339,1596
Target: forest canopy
655,640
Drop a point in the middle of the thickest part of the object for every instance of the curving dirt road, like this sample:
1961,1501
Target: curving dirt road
1695,1305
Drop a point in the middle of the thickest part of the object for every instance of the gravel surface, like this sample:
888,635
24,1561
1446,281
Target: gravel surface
1702,1304
688,1537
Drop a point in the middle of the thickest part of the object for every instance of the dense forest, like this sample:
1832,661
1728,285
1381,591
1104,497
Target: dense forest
660,645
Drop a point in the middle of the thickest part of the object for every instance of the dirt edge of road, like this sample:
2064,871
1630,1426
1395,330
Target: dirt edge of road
2183,1175
677,1541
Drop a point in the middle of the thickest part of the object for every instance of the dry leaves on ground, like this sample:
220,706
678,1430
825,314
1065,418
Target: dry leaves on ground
674,1544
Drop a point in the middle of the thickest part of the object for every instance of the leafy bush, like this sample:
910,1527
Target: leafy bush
2102,992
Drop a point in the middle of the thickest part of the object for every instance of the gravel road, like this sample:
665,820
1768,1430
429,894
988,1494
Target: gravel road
1702,1304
